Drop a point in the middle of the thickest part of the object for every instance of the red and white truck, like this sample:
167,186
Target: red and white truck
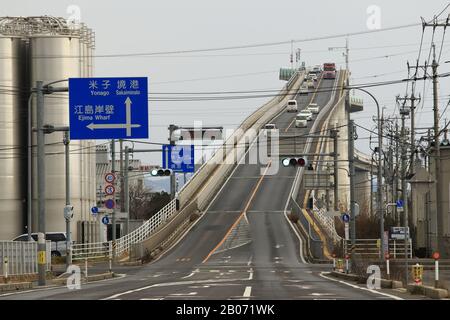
329,70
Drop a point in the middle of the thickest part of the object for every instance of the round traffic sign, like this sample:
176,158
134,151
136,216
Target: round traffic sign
387,256
94,210
345,217
110,177
436,255
105,220
110,190
110,204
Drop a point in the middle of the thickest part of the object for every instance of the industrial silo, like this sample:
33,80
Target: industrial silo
12,136
45,49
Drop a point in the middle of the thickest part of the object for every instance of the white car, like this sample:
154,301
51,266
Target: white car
312,76
292,106
307,113
301,121
269,128
317,69
313,107
304,89
58,242
310,84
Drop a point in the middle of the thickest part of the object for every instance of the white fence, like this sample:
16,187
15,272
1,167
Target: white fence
20,257
371,248
95,250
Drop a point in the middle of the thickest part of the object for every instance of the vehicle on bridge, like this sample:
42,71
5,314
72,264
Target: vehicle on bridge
301,120
307,113
310,84
329,70
269,128
304,89
313,107
317,69
292,106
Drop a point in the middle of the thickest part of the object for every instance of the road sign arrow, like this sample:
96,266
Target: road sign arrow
94,126
128,115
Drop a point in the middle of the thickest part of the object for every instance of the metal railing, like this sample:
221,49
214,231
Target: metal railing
18,258
371,248
327,223
96,250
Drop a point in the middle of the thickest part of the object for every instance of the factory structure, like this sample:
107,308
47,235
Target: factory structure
48,49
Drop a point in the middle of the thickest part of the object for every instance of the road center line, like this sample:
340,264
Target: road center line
247,292
258,184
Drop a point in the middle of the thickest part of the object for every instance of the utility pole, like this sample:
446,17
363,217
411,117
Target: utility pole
122,202
437,160
334,135
66,142
113,171
292,54
345,53
40,116
404,190
379,183
351,163
126,190
437,163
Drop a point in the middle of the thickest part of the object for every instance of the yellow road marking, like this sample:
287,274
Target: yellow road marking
241,215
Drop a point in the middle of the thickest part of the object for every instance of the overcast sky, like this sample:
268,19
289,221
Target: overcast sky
134,26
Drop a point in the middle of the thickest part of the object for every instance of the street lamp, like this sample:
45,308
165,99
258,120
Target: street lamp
379,173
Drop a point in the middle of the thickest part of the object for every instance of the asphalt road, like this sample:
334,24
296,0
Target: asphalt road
258,259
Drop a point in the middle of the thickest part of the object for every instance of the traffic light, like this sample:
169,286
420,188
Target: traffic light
294,162
161,172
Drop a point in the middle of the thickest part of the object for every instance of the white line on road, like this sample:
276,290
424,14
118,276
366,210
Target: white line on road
361,288
250,277
247,292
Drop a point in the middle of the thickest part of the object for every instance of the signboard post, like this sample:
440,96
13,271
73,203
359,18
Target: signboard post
108,108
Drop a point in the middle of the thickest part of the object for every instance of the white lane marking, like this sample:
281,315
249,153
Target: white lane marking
250,260
247,292
361,288
169,284
184,294
250,277
189,275
149,299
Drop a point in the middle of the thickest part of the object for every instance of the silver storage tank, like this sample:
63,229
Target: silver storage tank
54,58
13,170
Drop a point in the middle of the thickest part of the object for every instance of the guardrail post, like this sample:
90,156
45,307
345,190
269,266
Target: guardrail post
86,268
436,257
5,268
110,257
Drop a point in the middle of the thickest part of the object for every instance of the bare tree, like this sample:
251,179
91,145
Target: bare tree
144,203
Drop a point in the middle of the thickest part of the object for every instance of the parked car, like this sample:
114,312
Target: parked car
58,241
292,106
313,107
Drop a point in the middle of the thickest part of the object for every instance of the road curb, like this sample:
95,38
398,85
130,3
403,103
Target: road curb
15,286
433,293
95,277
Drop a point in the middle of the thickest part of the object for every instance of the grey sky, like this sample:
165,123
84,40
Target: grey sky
147,26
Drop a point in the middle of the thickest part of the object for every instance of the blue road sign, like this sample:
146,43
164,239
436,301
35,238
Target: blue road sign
105,220
399,203
108,108
179,158
345,217
94,210
110,204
